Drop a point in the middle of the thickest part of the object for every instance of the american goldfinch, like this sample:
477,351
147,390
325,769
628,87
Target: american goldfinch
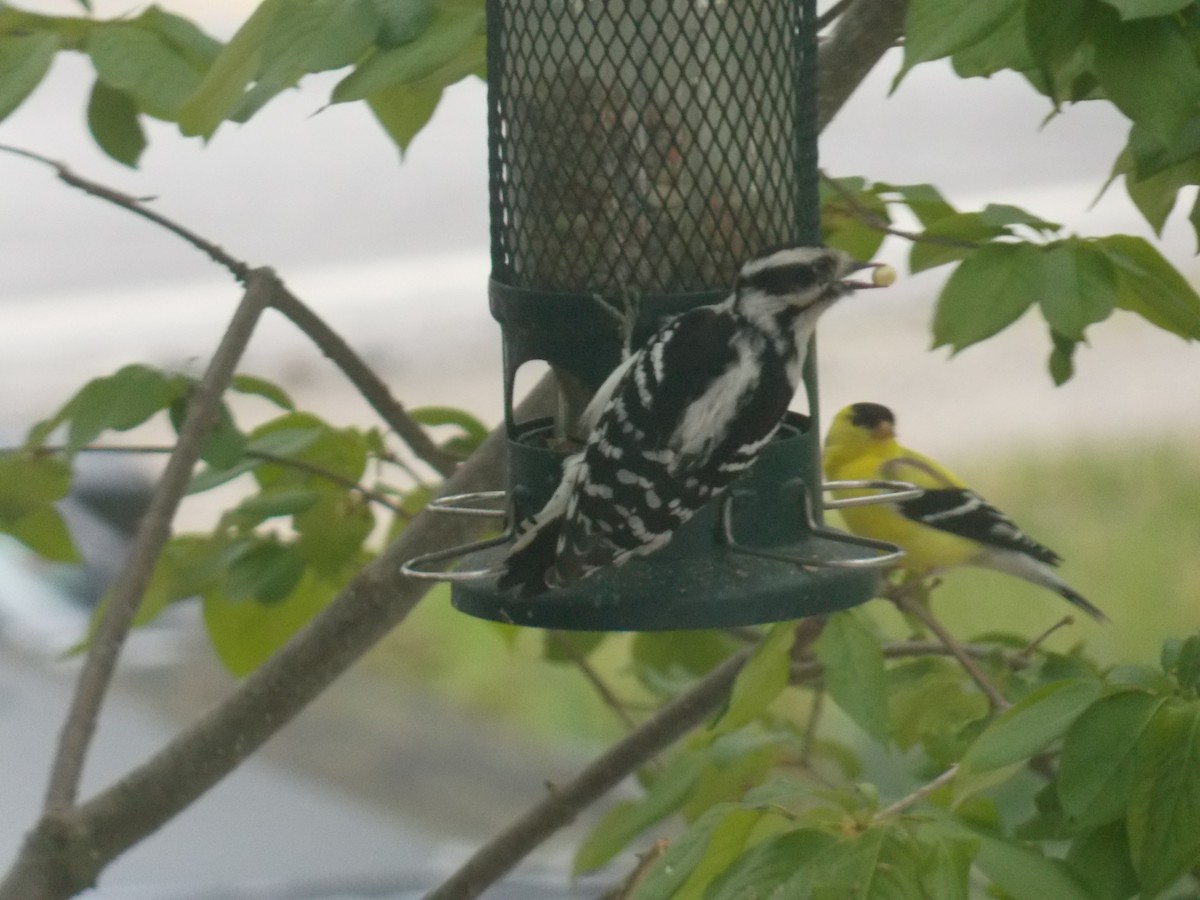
948,525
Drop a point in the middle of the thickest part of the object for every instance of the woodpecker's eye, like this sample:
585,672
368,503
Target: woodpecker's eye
824,268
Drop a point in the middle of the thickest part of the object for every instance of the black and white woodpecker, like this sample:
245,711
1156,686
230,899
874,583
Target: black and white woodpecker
682,417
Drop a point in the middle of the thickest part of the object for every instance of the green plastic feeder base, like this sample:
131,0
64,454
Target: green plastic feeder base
724,589
698,580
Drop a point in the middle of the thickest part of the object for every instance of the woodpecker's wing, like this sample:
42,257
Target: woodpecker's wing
690,411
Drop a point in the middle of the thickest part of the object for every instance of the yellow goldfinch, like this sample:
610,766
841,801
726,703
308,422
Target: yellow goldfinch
948,525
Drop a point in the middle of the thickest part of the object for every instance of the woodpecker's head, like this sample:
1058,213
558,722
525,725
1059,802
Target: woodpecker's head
785,290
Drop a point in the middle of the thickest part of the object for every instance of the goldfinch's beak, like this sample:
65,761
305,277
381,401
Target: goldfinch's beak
882,275
884,431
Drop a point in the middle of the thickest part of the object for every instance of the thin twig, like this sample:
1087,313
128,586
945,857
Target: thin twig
370,385
152,535
299,464
872,219
563,644
1028,649
136,205
328,341
565,802
903,598
827,17
916,796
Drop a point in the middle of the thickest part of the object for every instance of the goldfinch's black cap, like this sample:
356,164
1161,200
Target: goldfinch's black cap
870,415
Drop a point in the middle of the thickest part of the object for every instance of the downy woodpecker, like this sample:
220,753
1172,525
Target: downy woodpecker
681,418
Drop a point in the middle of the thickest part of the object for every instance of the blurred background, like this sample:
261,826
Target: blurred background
384,783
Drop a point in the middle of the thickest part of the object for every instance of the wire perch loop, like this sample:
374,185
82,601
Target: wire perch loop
887,555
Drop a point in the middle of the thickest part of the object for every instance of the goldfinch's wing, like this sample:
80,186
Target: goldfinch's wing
949,505
962,512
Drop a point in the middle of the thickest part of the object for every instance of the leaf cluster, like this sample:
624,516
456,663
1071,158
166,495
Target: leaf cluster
401,55
1009,260
771,808
276,556
1142,56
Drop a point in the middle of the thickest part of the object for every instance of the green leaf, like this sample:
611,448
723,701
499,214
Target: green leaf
224,86
24,61
268,390
925,201
1079,287
1062,358
451,34
197,49
314,36
1148,70
1151,287
284,442
263,570
143,65
842,214
1000,215
935,29
402,21
1099,859
930,704
986,293
1030,725
333,530
1025,874
761,680
1139,9
403,111
113,121
1096,767
568,646
854,671
726,843
767,865
626,819
1185,663
340,451
1054,34
244,634
1003,47
684,854
119,402
1164,804
259,507
474,432
44,532
950,238
666,662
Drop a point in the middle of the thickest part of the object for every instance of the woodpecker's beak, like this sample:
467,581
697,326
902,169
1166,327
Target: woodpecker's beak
881,276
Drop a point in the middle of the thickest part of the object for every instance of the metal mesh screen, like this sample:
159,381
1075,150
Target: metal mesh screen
648,146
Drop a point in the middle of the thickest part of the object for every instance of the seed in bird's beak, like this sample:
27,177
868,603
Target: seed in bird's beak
883,276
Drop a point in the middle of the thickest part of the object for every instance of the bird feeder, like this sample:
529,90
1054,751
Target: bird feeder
639,151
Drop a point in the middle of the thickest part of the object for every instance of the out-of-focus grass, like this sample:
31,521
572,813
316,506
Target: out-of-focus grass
1126,520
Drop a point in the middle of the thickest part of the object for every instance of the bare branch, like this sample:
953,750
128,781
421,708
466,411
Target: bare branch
327,340
865,31
363,377
137,205
152,535
916,796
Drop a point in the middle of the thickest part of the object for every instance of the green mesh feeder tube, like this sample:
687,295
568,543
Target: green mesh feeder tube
639,151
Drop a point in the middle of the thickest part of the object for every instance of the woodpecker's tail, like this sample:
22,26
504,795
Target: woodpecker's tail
530,559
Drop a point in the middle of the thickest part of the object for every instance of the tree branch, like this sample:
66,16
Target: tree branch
564,802
152,535
865,31
327,340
